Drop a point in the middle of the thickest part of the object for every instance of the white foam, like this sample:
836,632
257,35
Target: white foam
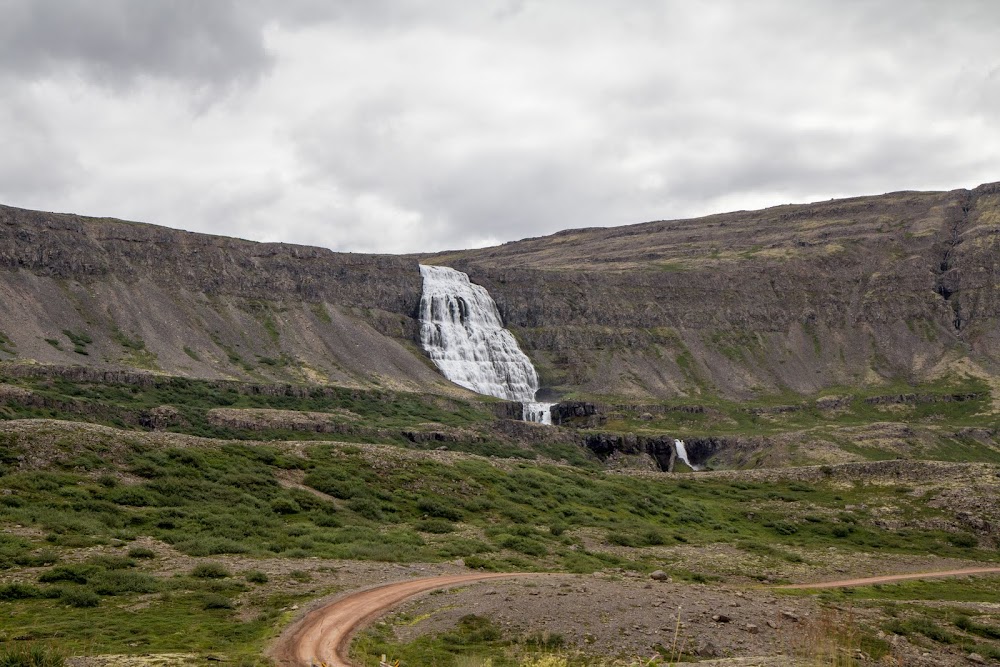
461,331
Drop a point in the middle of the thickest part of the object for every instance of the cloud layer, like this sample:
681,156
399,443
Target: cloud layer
408,125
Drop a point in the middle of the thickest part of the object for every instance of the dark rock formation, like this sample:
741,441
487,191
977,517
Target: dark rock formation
660,448
800,297
572,411
110,294
789,298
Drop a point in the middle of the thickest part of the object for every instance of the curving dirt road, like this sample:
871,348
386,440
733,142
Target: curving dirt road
889,578
323,635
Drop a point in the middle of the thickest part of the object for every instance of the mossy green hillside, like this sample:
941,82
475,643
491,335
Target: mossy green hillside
955,402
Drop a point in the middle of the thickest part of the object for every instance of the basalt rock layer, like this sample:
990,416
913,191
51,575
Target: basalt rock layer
800,297
109,294
904,286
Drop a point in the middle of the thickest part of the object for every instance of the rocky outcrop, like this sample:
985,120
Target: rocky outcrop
659,448
162,417
95,250
576,412
794,297
913,399
113,295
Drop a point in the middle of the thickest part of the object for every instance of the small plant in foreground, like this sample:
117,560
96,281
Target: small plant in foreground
141,552
30,656
256,577
210,571
216,601
80,597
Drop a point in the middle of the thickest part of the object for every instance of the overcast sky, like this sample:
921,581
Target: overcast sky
410,125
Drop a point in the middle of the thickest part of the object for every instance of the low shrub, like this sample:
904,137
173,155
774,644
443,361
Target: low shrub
141,552
40,559
435,508
256,577
112,562
210,571
285,506
80,597
30,656
119,582
963,540
74,574
216,601
9,592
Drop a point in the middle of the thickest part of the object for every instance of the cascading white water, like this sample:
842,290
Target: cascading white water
683,455
541,413
461,330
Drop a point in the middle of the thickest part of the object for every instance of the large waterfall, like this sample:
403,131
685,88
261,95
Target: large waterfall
460,329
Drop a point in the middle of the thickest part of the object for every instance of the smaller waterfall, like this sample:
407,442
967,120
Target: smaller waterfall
683,455
540,413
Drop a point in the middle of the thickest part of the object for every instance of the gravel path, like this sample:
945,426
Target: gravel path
323,636
868,581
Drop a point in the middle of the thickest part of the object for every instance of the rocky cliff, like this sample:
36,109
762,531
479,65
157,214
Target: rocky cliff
109,293
902,286
796,299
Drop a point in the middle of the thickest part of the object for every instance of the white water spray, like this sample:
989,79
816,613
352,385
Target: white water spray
682,454
461,331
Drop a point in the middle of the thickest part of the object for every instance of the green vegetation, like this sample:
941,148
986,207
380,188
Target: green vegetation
473,637
738,346
122,406
979,588
136,354
80,340
207,499
321,313
210,571
128,343
226,498
30,656
7,346
232,355
933,413
927,626
937,623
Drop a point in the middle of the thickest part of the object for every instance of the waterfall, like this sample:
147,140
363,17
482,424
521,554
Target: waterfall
461,331
541,413
683,455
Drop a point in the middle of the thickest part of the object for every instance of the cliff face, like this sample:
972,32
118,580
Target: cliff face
794,298
847,292
205,306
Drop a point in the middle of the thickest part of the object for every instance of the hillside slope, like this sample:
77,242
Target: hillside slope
205,306
793,299
901,286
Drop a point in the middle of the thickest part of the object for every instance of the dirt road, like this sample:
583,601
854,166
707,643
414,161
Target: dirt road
323,635
889,578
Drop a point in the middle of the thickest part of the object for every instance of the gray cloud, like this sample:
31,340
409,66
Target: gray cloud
32,161
115,42
404,125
